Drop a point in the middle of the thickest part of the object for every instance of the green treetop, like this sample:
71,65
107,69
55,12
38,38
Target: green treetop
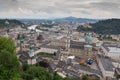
9,65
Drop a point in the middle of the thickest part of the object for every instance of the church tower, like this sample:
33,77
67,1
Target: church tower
68,39
31,51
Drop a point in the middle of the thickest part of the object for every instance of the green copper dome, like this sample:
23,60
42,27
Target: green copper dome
88,38
69,33
88,46
31,51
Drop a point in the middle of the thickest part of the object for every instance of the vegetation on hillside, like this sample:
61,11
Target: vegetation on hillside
9,23
110,26
11,70
35,72
9,64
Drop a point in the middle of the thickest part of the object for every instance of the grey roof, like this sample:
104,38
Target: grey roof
77,45
24,56
86,68
31,41
107,63
61,64
51,47
118,69
56,57
109,78
106,48
52,65
45,43
72,73
61,40
23,59
106,45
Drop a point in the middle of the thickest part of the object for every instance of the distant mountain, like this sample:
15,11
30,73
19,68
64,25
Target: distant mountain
69,18
109,26
10,23
74,19
65,19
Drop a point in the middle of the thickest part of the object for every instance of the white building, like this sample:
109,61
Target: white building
49,49
106,67
112,51
26,57
32,61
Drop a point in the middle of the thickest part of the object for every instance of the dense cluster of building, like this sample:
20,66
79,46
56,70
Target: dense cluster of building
68,52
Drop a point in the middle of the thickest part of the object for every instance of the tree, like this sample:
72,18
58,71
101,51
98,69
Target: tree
36,72
85,77
7,44
9,65
39,73
56,76
25,67
9,23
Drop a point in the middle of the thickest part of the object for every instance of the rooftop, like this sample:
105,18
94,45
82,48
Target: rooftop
72,73
111,47
114,49
107,63
77,45
86,68
24,56
51,47
88,46
88,38
118,69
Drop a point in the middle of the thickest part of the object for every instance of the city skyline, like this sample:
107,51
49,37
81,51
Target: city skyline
43,9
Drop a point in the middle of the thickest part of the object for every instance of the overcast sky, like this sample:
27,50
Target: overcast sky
59,8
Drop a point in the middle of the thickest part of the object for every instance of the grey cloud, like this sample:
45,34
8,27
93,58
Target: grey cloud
8,4
85,7
110,6
94,5
101,6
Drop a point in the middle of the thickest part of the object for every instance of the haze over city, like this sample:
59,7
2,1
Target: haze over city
59,8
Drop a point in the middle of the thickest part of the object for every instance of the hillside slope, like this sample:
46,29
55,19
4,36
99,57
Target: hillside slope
110,26
10,23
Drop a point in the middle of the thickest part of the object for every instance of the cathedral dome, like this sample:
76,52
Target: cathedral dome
88,46
89,38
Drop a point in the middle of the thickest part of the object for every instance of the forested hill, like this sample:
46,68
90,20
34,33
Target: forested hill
10,23
110,26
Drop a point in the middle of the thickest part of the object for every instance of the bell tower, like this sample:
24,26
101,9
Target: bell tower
31,51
